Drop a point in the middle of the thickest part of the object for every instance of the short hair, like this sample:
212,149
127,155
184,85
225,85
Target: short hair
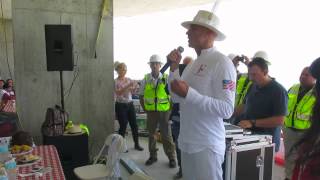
22,138
118,65
315,69
260,62
189,58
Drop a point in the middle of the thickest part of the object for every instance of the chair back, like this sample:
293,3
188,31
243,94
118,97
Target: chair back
115,143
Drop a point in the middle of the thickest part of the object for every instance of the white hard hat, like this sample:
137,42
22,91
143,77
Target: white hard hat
155,59
232,56
261,54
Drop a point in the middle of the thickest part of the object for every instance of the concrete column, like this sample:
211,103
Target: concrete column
88,89
6,49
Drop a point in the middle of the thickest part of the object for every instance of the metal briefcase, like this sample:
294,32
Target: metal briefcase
249,158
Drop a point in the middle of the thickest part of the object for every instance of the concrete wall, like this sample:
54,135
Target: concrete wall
90,100
6,50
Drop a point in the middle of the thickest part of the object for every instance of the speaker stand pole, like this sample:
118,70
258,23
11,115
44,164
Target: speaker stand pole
61,90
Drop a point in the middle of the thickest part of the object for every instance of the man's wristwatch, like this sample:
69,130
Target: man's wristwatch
253,122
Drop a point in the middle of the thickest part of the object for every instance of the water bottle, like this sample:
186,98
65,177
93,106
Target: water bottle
11,168
4,152
3,174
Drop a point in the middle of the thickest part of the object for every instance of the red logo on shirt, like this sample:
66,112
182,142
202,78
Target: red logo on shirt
201,68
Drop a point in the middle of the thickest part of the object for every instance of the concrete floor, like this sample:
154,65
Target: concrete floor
160,170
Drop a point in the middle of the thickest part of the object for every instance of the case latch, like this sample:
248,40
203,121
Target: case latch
259,161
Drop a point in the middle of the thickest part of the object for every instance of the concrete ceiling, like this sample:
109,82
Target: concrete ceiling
129,7
137,7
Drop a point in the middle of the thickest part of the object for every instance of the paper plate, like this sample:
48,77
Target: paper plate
28,163
23,153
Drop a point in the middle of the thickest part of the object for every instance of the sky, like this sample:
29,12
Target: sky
286,29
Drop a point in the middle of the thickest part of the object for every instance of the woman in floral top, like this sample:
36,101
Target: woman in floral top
125,111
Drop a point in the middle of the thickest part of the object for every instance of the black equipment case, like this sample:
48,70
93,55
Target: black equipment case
249,158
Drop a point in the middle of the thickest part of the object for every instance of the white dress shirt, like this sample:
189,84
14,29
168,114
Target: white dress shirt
209,100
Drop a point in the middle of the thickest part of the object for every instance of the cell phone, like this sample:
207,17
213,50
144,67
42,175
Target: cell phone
241,58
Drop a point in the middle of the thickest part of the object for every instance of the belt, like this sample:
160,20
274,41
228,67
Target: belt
131,102
297,130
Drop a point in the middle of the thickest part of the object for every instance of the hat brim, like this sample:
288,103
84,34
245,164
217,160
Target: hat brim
155,62
220,35
68,133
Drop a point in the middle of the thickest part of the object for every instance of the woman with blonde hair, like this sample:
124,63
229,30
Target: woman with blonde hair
124,107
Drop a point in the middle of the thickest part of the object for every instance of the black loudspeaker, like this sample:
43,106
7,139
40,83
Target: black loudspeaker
59,47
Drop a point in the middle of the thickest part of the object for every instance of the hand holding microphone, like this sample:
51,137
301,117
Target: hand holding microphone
173,59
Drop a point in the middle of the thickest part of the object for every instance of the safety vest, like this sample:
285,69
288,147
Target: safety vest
243,85
299,113
155,96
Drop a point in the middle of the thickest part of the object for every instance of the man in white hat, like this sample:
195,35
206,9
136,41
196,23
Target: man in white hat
206,91
155,100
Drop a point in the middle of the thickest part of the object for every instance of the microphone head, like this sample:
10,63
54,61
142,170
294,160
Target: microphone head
180,49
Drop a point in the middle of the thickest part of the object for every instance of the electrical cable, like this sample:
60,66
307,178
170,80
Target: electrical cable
75,76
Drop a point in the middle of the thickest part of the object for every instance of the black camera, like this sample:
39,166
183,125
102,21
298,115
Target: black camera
240,58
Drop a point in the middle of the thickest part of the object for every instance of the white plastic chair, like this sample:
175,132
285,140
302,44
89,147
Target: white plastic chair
111,169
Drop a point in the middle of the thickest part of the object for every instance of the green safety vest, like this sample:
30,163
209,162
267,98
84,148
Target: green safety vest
155,96
243,85
299,113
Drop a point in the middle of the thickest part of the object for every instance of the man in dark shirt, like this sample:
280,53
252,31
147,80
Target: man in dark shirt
265,104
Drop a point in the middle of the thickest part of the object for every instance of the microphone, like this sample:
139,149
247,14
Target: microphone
168,63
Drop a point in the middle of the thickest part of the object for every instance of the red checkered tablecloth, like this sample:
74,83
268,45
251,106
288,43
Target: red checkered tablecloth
50,158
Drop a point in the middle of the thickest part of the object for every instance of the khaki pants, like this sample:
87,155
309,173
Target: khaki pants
161,118
291,137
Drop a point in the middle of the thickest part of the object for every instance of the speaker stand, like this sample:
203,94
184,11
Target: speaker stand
61,90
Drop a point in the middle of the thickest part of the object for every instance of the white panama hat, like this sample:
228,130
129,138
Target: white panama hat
75,129
206,19
155,59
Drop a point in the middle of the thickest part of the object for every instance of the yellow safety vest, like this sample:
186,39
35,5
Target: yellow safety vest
155,96
299,113
243,85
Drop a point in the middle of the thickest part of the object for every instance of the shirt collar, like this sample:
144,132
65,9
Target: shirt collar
206,51
159,76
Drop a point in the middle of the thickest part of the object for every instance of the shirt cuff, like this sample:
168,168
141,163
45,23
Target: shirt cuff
171,75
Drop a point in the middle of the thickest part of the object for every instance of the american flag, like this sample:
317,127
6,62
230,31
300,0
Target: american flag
229,85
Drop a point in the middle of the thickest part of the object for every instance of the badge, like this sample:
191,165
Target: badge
228,85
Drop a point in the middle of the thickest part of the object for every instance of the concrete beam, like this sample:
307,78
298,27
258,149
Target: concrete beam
121,7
